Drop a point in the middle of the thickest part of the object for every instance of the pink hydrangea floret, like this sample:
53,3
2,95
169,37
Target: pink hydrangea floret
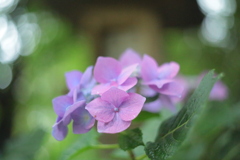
115,110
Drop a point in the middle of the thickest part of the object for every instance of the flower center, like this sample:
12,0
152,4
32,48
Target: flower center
116,109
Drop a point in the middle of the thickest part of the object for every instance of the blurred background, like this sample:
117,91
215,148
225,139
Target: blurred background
41,40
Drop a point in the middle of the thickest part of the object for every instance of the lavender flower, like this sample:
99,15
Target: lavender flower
109,72
67,111
72,106
161,79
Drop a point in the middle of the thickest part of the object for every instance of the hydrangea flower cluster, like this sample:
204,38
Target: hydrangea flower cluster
114,92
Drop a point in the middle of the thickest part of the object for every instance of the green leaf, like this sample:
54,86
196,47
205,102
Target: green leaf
85,142
144,115
215,135
173,130
130,139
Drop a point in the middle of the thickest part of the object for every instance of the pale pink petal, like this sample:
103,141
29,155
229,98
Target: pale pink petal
168,103
107,69
100,89
128,84
131,107
126,73
158,83
168,70
130,57
219,91
162,102
149,68
114,96
153,107
146,91
171,89
61,103
115,126
101,110
73,79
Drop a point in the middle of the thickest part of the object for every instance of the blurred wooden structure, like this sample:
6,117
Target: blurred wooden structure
114,26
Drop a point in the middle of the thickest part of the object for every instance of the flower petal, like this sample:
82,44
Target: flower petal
82,121
153,107
73,79
107,69
61,103
126,73
86,77
146,91
219,91
114,96
167,102
128,84
130,57
149,68
59,131
158,83
100,89
115,126
101,110
67,116
162,102
168,70
171,89
131,107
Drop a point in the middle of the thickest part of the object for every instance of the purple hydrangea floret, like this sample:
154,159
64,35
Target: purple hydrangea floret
110,73
161,79
72,106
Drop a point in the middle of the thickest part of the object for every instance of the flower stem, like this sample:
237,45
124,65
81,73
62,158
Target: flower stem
98,146
105,146
141,157
131,154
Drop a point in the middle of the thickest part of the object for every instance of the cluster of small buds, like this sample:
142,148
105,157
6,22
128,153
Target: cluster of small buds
114,92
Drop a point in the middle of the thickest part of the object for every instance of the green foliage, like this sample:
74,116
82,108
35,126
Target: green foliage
130,139
24,147
173,131
215,135
144,115
85,142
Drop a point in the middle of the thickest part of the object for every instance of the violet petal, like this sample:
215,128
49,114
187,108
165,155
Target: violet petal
100,89
73,79
67,116
171,89
101,110
128,84
61,103
130,57
106,69
82,121
114,96
86,77
131,107
168,70
126,73
149,68
59,131
115,126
